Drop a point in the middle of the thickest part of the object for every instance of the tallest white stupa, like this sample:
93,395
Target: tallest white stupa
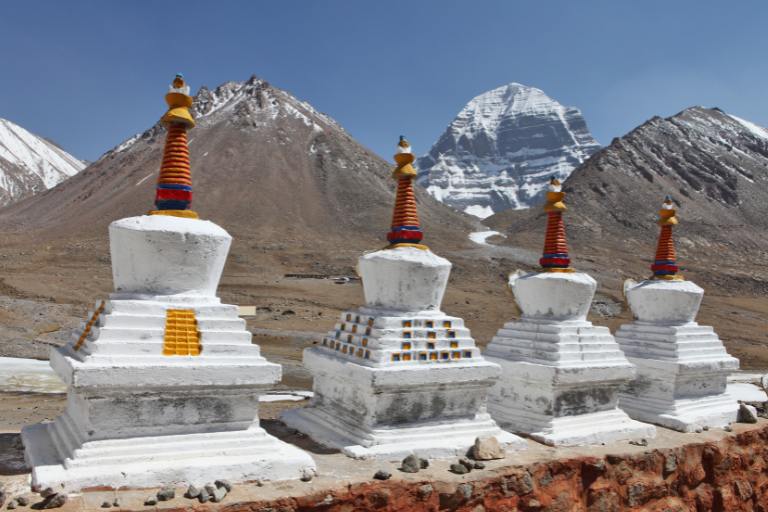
163,383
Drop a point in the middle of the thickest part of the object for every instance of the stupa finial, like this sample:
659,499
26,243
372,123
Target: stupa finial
405,230
174,185
555,256
665,264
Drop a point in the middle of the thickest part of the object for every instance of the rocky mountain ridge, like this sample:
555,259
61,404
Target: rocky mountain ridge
501,150
30,164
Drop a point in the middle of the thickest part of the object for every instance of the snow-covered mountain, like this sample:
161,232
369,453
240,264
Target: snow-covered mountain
501,150
30,164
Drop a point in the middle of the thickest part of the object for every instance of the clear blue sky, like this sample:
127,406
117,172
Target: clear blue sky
89,74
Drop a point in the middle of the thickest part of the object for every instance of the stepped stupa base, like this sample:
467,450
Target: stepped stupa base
434,410
152,461
682,367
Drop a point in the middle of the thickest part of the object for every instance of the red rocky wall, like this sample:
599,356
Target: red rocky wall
728,475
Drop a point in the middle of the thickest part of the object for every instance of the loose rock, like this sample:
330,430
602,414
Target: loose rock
151,501
466,462
22,501
166,493
204,496
478,465
218,494
54,501
410,464
382,475
728,428
424,463
11,505
192,492
488,448
747,414
106,504
48,491
225,484
116,503
459,469
307,476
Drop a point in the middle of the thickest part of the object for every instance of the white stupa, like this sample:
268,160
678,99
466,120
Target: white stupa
560,374
682,367
399,376
164,382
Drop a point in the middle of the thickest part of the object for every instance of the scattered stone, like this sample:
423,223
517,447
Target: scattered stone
11,505
225,484
192,492
204,496
410,464
22,501
747,414
459,469
642,442
382,475
209,488
151,501
425,491
48,491
705,427
728,428
424,463
54,501
106,504
218,494
466,462
488,448
698,430
116,503
307,476
478,465
166,493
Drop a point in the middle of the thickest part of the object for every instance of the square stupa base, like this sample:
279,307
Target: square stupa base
434,411
151,461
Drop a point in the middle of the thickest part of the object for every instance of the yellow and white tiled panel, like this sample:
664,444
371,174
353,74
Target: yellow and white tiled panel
181,336
386,340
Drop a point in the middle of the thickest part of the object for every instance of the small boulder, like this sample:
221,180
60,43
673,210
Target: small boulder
166,493
23,501
151,501
424,463
488,448
106,504
747,414
11,505
459,469
225,484
307,476
468,463
192,492
478,465
116,503
382,475
54,501
209,488
218,494
410,464
203,497
48,491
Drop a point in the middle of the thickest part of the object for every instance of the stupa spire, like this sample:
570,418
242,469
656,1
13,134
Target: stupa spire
555,256
665,264
174,185
405,230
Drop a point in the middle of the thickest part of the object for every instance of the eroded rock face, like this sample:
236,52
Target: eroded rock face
729,474
502,148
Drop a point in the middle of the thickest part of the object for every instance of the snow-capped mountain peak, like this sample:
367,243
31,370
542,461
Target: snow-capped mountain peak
30,164
502,148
